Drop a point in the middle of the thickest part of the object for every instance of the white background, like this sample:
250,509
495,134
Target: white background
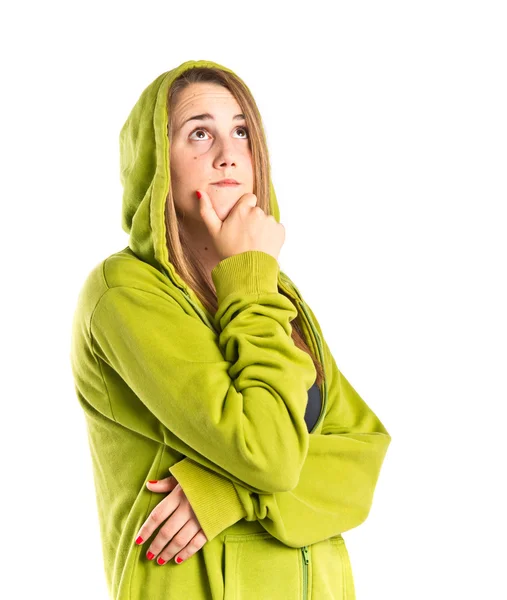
387,129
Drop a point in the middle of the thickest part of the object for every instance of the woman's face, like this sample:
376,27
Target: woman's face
205,150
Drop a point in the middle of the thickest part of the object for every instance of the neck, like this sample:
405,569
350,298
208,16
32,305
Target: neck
201,243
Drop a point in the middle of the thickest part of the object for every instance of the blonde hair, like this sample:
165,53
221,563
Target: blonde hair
186,263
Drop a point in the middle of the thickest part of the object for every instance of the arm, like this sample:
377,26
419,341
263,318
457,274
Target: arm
233,402
336,484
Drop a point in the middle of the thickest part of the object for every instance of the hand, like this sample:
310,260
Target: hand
246,227
181,534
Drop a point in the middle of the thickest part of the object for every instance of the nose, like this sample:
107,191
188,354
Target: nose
226,154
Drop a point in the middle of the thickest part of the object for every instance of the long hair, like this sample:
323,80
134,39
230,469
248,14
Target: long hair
185,261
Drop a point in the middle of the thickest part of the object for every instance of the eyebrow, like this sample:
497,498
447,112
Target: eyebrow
207,117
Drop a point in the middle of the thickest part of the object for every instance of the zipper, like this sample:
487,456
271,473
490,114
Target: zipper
321,357
306,560
200,312
185,291
316,343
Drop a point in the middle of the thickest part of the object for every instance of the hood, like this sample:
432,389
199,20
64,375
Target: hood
145,173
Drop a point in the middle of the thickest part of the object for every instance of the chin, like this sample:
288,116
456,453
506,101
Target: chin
223,208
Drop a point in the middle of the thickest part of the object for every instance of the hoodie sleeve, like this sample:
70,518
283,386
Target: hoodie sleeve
233,401
336,485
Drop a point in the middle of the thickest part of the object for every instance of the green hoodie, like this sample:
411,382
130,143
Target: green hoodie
219,402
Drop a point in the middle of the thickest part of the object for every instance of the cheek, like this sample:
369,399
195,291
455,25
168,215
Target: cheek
247,161
183,168
247,156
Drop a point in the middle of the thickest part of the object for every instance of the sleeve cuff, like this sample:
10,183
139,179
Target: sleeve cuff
213,498
251,272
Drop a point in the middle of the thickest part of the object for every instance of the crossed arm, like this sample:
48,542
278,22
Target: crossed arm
336,484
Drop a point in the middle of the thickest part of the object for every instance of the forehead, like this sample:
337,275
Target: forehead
201,98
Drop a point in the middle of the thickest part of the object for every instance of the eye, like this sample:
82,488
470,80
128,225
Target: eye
201,129
244,129
195,130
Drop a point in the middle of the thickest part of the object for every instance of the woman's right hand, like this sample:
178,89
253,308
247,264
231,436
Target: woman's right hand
246,227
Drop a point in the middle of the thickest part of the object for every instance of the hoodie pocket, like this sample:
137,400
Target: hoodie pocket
257,565
332,576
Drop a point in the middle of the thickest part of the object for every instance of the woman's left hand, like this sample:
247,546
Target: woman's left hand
181,533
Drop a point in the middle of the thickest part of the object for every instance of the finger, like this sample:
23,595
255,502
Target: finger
208,213
158,515
162,485
167,534
248,200
180,542
195,544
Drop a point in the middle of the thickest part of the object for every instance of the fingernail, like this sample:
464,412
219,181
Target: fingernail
198,194
150,555
153,481
160,561
179,560
139,540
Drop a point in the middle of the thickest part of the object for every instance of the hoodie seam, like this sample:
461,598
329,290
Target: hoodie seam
109,287
92,338
103,271
102,375
98,301
93,341
140,547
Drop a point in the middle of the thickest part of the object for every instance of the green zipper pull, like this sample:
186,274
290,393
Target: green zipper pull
305,554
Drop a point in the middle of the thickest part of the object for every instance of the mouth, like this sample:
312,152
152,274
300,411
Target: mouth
225,182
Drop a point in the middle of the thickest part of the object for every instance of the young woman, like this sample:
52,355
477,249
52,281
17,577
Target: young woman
194,354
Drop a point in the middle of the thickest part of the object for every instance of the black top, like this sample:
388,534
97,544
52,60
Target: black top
313,407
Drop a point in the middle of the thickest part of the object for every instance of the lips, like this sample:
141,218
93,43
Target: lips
225,182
